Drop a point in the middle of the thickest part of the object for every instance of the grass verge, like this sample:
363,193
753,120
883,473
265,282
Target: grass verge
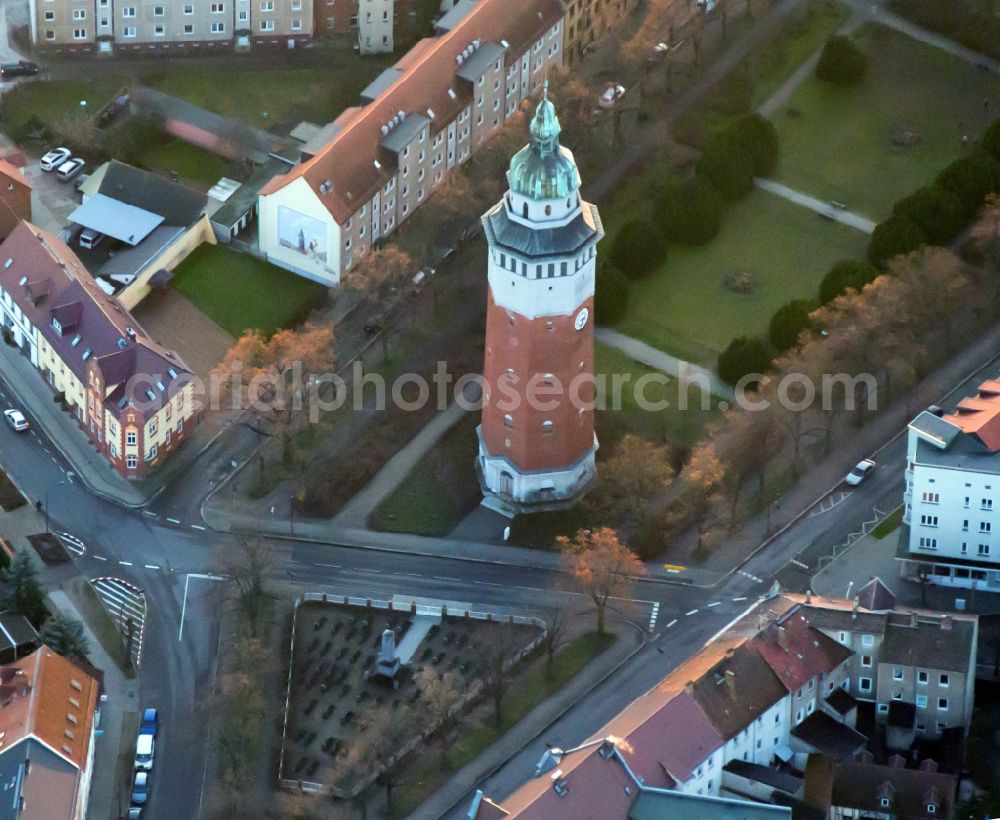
889,524
240,292
439,491
422,780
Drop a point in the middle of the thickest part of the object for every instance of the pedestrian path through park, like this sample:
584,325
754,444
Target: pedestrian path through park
828,210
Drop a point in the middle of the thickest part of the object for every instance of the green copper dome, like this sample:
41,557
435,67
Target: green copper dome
543,169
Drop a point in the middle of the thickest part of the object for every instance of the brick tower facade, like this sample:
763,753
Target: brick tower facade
536,439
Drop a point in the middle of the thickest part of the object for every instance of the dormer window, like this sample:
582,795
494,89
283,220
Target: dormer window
885,802
932,808
86,354
76,340
122,344
8,263
22,281
56,325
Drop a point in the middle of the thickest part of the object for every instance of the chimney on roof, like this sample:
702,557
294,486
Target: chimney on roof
928,765
809,593
131,332
867,757
689,688
934,410
854,609
731,681
896,762
946,622
783,638
913,619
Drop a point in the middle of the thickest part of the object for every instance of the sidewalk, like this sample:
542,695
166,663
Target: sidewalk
537,721
356,511
105,799
664,362
824,209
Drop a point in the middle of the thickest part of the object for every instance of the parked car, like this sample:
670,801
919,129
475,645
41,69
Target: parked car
16,420
134,813
70,169
22,68
140,788
89,238
861,471
660,49
372,325
612,94
706,5
54,158
145,746
150,722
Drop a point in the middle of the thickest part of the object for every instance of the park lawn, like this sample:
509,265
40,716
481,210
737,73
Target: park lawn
268,94
239,292
526,692
439,491
188,161
685,309
54,101
836,142
682,423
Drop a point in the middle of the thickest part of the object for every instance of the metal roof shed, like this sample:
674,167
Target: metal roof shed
125,223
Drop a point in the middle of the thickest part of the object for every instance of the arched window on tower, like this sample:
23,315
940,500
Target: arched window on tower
548,210
547,426
508,420
524,210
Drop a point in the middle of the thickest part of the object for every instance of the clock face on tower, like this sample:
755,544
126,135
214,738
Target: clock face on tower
581,319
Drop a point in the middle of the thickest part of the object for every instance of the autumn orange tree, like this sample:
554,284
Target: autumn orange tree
634,473
704,473
603,567
379,276
271,375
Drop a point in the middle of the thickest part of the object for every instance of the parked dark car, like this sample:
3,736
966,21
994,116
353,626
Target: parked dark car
22,68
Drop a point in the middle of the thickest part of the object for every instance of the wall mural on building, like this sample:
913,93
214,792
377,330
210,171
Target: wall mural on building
302,233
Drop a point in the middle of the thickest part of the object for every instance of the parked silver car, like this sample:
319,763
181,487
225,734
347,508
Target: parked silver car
54,158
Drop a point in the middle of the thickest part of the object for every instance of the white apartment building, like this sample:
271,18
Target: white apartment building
950,534
106,26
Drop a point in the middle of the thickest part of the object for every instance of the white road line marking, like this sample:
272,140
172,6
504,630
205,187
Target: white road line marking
446,578
125,563
197,527
488,583
151,566
692,612
150,514
714,603
174,520
533,589
54,460
372,571
737,600
331,566
100,558
671,623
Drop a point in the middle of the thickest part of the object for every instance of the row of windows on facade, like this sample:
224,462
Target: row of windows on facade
160,31
132,460
935,498
932,521
542,271
266,6
926,543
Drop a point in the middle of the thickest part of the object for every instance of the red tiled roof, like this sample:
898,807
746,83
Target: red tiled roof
979,415
595,790
428,73
796,652
12,173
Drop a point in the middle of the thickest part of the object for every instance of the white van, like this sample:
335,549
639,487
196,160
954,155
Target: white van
90,238
144,747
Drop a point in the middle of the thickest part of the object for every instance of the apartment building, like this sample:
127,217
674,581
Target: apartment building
417,121
589,20
106,26
132,397
49,710
749,714
15,197
952,486
375,24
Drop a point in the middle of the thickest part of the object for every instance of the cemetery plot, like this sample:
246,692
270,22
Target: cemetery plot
350,665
